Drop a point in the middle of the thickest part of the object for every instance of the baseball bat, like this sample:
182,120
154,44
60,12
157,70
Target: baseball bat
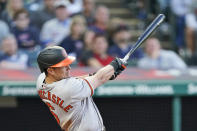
149,30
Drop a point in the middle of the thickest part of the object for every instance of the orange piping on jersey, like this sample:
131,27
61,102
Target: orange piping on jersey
89,86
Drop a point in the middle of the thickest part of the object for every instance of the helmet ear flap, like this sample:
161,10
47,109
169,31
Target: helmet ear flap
42,66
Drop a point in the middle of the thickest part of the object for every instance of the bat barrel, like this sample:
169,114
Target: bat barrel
149,30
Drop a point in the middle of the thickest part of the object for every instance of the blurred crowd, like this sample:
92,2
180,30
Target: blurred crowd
88,32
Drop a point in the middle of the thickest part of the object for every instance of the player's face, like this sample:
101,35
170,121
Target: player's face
62,72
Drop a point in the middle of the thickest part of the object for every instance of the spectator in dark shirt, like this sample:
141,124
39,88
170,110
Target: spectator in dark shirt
26,35
122,44
88,11
11,8
73,43
101,22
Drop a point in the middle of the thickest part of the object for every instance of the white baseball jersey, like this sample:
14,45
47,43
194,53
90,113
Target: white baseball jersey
70,102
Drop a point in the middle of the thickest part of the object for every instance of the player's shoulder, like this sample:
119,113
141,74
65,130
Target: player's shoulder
72,80
70,84
40,80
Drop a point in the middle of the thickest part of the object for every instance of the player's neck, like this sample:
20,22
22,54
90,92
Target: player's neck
49,80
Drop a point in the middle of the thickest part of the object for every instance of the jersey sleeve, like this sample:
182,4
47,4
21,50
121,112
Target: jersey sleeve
81,89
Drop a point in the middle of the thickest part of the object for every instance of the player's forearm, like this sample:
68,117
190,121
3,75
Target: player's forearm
104,74
101,76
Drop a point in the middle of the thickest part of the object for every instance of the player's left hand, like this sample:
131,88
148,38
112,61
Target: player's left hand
119,65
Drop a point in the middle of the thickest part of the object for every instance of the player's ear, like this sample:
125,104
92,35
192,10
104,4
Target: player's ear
50,71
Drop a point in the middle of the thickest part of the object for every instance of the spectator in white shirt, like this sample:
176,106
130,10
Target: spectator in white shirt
54,30
157,58
10,56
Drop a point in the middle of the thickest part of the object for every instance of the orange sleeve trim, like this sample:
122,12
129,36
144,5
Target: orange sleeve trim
92,91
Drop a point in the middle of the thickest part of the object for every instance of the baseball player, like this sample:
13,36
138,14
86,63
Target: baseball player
70,98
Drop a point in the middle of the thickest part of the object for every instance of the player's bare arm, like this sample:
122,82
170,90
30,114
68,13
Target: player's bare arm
106,73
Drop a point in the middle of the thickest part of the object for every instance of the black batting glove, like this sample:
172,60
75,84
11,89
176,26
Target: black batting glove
119,65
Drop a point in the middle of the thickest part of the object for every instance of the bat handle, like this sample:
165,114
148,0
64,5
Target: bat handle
125,58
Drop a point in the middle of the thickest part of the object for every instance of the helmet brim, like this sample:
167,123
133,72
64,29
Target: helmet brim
69,60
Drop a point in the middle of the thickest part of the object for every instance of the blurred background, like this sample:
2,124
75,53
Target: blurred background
157,92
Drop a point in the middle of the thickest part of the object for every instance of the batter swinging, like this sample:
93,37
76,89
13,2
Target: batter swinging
70,98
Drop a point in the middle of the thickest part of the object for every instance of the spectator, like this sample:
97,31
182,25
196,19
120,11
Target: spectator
12,7
33,5
87,39
180,8
157,58
102,16
26,35
113,24
4,30
87,48
75,6
142,12
122,44
98,57
2,5
55,30
191,29
73,43
10,57
43,15
88,11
